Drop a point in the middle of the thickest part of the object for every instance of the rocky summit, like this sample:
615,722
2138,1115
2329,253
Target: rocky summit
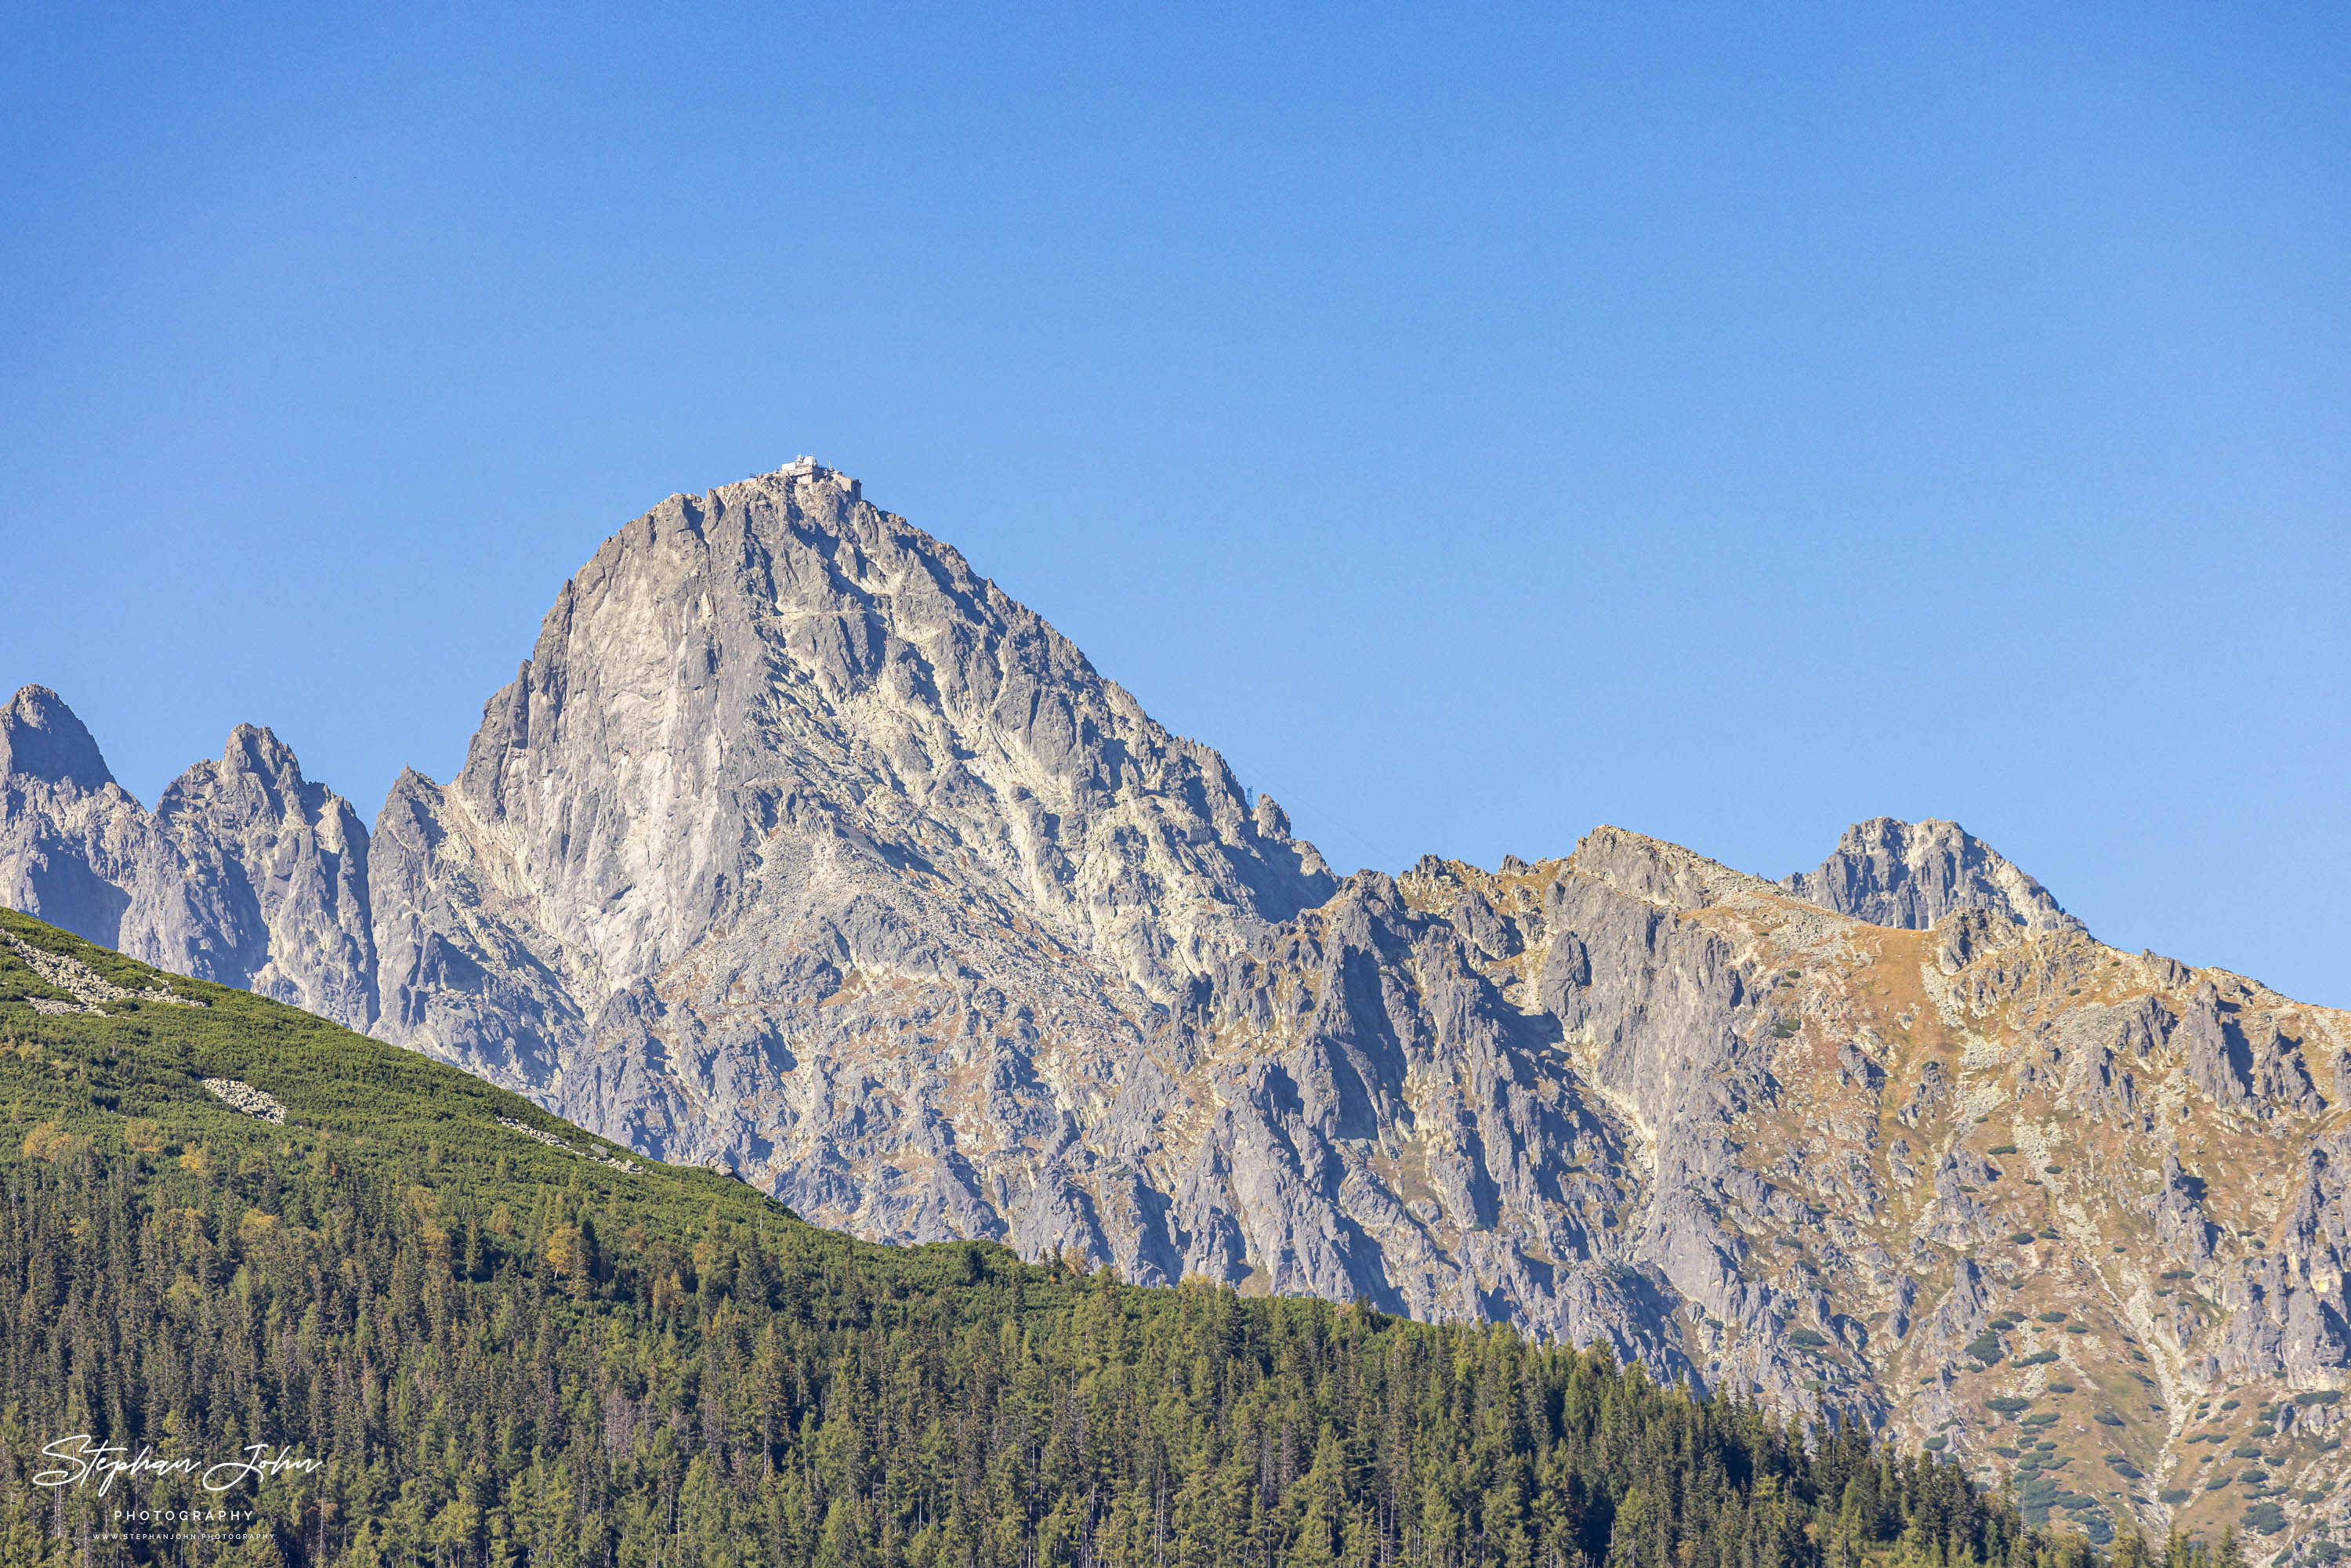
799,848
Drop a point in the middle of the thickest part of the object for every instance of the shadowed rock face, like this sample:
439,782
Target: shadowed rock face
797,847
42,743
1913,874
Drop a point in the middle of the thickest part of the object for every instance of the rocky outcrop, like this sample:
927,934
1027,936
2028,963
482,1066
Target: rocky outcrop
2186,1235
2290,1307
2238,1056
1913,875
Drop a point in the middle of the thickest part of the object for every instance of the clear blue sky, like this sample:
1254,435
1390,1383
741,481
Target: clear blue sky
1480,423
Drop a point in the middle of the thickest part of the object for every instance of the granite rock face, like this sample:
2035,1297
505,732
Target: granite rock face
797,847
271,889
775,718
245,874
72,840
1913,874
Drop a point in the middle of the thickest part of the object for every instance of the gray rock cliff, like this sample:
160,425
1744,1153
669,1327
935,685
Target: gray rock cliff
266,885
72,840
775,719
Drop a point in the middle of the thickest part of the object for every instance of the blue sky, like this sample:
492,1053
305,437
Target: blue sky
1482,422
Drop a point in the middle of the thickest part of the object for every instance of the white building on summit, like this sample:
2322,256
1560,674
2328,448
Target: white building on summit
808,467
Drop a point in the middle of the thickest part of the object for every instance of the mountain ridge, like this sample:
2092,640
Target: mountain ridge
799,848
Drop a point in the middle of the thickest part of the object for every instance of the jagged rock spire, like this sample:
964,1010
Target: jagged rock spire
245,873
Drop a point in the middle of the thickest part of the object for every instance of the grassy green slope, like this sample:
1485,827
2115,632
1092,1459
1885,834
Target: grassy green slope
349,1099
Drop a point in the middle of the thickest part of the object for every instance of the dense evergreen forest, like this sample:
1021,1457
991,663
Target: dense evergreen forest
493,1348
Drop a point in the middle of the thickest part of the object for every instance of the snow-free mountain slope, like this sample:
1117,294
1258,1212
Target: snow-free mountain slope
775,717
799,848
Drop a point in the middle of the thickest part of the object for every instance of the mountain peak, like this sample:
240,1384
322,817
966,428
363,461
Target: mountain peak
775,719
1911,875
257,748
42,739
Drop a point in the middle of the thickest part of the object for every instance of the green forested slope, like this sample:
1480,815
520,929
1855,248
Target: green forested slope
507,1353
